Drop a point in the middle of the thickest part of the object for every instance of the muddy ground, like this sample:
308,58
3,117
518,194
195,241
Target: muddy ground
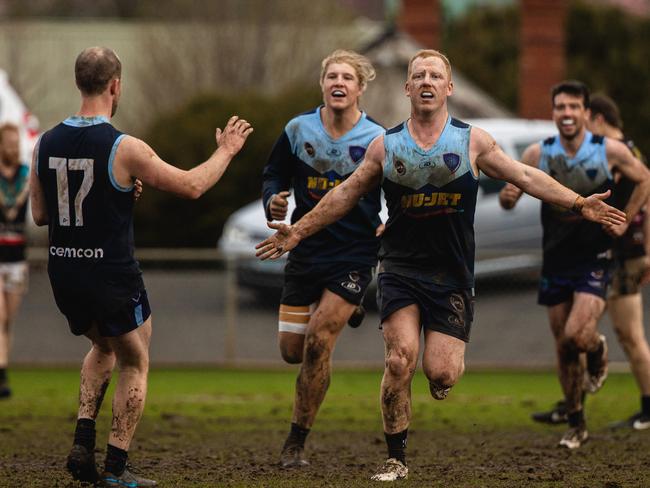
183,452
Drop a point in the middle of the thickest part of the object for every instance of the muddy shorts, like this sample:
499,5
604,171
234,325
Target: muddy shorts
444,310
304,283
559,288
626,277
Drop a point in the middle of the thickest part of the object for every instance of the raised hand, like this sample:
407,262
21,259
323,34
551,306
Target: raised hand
234,135
278,205
596,210
284,240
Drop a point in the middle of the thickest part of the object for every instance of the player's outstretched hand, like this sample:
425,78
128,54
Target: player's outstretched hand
234,135
279,205
596,210
284,240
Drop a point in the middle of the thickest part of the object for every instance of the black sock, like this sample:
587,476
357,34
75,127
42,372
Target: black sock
576,419
397,445
3,375
297,436
84,434
115,460
645,405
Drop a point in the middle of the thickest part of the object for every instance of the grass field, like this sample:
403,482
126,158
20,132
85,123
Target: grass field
216,427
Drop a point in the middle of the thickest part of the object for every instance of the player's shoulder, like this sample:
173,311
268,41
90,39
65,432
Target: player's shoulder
309,116
459,124
396,129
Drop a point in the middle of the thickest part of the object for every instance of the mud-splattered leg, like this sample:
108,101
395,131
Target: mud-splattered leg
402,342
312,383
96,374
132,352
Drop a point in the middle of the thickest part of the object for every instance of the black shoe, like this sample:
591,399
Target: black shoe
5,391
127,478
81,464
357,317
557,415
293,457
638,421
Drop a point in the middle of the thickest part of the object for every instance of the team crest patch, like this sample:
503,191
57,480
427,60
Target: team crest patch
456,302
334,152
399,167
452,161
309,149
357,153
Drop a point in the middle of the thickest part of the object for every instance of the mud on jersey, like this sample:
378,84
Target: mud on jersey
570,241
308,159
431,199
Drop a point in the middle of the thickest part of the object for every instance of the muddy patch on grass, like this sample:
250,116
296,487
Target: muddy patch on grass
196,453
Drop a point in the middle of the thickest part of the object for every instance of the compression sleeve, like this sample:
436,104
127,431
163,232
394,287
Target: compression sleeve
277,172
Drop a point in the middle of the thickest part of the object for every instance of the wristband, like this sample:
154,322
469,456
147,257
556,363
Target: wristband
578,204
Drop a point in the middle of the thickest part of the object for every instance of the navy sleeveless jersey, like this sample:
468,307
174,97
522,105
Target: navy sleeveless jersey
632,243
90,214
14,195
307,158
431,198
571,242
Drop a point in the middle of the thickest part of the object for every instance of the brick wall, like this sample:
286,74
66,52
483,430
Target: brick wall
421,19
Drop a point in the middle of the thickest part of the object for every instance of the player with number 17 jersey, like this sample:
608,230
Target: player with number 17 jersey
91,262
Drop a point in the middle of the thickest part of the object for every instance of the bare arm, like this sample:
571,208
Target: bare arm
634,170
334,205
510,194
135,159
37,197
495,163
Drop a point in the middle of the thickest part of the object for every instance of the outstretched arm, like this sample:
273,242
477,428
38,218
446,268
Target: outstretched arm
334,205
495,163
510,194
135,159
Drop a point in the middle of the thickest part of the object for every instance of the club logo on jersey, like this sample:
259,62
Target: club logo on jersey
309,149
427,164
357,153
334,152
452,160
399,167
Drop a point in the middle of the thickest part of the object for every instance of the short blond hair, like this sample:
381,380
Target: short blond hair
429,53
362,65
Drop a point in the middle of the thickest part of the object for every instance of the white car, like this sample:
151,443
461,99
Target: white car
506,241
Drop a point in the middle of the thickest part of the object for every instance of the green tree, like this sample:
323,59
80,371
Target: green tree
186,137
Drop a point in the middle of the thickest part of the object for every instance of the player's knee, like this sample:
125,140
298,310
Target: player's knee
291,353
134,363
318,346
401,364
445,375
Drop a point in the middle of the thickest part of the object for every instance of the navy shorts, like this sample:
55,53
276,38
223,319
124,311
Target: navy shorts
559,288
117,305
304,283
443,310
